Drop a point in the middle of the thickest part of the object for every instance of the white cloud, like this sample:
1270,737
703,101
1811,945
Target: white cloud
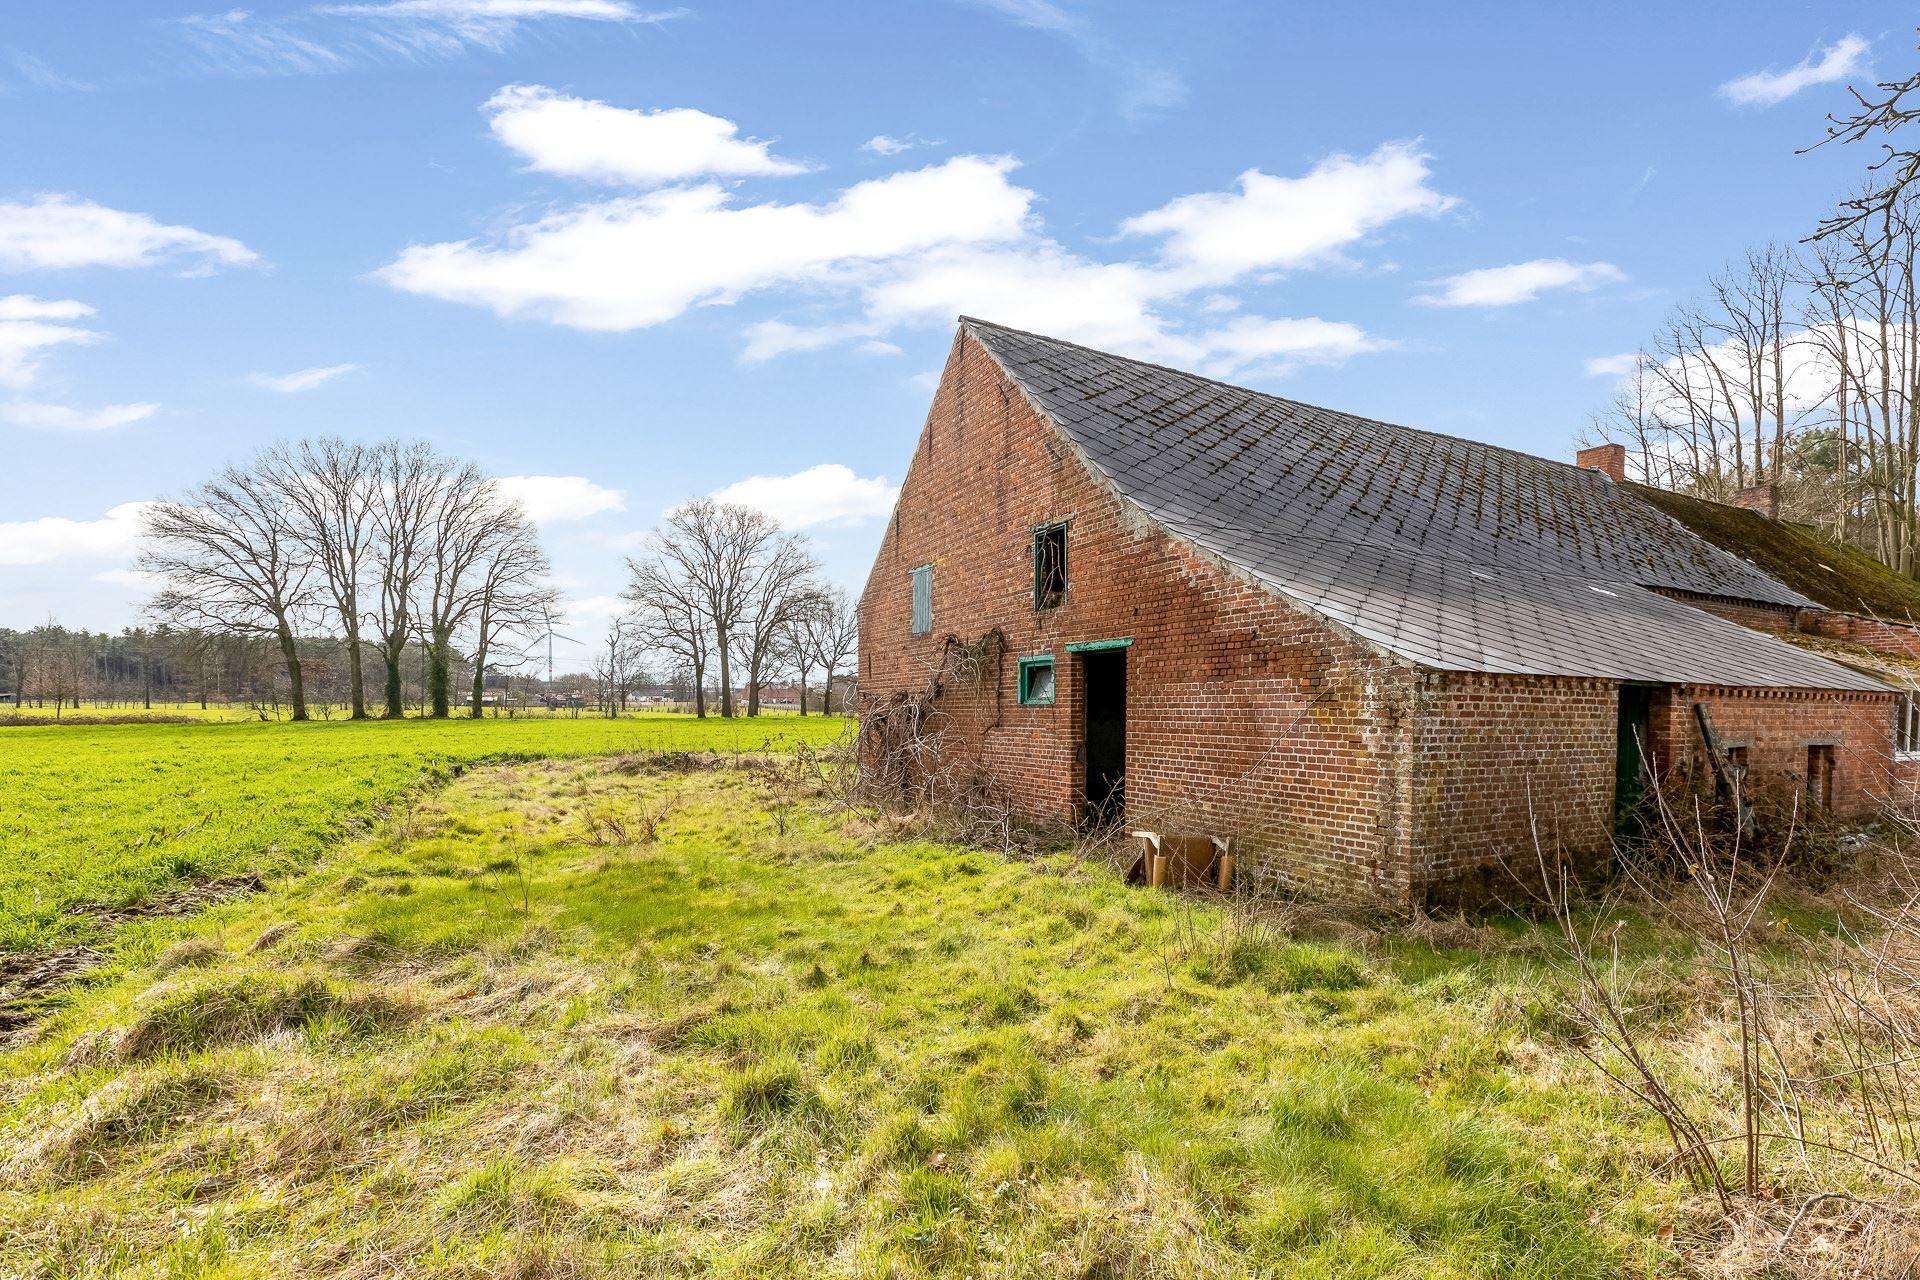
60,417
636,261
1844,58
583,609
53,538
882,145
920,246
1279,223
55,231
581,138
1612,366
30,325
1520,282
553,499
300,379
327,38
829,494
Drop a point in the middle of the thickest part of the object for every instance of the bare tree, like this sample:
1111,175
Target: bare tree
330,486
669,616
716,548
406,480
472,528
779,589
1892,104
512,596
230,559
829,633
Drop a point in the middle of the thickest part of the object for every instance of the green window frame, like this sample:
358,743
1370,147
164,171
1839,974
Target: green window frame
1036,681
1049,564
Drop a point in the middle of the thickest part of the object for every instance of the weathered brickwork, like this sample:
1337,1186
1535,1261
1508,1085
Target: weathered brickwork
1332,764
1777,726
1872,633
1499,758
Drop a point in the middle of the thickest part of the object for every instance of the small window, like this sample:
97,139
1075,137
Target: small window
1049,565
922,599
1906,724
1036,682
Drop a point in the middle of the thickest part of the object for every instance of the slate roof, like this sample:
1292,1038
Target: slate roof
1452,554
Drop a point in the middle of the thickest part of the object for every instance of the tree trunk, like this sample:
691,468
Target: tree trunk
296,685
726,675
356,673
440,676
803,691
826,694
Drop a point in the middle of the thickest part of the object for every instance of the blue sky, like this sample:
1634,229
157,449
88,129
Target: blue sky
634,252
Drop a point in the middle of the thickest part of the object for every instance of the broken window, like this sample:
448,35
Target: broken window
1906,724
922,599
1820,775
1049,565
1036,682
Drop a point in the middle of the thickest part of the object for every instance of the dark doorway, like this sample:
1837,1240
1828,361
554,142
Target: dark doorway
1820,776
1630,761
1103,678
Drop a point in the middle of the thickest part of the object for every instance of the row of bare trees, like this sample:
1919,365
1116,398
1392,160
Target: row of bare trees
383,545
1799,366
722,590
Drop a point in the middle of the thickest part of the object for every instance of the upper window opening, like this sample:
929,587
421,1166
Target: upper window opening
922,599
1049,565
1036,682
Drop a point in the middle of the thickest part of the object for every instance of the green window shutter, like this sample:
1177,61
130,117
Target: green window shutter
922,600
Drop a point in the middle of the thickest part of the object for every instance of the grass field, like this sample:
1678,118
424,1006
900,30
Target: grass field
114,814
561,1019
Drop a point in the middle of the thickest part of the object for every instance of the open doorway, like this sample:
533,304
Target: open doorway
1103,680
1631,773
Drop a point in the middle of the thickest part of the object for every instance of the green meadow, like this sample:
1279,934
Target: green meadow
116,814
615,1018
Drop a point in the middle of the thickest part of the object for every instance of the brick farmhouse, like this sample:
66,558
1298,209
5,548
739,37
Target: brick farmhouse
1378,658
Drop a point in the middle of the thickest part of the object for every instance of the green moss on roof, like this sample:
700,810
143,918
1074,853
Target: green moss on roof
1826,572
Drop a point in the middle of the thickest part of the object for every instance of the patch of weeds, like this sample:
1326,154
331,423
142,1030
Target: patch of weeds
767,1092
248,1006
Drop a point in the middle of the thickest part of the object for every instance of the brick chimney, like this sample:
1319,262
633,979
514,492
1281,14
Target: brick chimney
1764,498
1609,460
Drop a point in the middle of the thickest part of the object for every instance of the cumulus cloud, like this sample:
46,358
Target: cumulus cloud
29,326
1837,62
828,494
554,499
300,379
582,138
922,245
1612,366
54,538
60,417
636,261
56,231
1274,223
1520,282
882,145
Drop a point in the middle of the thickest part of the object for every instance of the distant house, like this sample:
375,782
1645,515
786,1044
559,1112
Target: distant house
1379,657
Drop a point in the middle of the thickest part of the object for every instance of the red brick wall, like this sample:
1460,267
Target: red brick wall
1245,716
1871,633
1496,754
1777,726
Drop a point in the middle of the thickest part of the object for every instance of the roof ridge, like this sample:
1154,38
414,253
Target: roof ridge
977,322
